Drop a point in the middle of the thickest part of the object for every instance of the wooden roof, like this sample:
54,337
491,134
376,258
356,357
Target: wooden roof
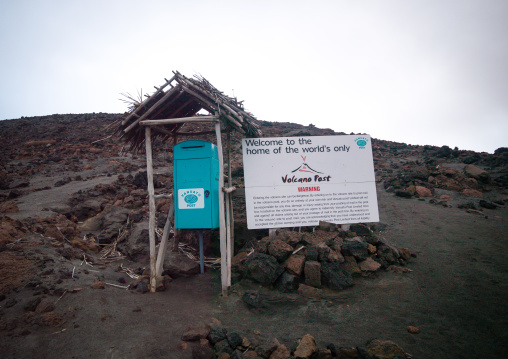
184,97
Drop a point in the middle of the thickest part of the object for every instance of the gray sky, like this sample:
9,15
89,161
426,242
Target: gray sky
420,72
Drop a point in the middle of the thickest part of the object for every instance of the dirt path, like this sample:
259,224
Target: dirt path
456,293
116,323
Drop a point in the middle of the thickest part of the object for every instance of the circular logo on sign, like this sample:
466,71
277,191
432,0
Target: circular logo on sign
361,142
190,198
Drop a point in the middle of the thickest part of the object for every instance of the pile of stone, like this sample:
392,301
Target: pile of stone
328,257
214,341
421,180
442,184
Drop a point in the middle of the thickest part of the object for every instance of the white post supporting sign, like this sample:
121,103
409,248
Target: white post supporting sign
299,181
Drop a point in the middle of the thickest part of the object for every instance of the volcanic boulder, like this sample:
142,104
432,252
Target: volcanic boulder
262,268
356,247
335,276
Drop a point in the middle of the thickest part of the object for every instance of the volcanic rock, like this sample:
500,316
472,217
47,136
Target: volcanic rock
369,265
356,247
217,333
282,352
141,180
325,253
9,207
97,284
50,319
280,250
45,306
403,194
253,299
14,194
52,231
309,292
413,330
236,260
384,349
295,264
477,173
178,264
261,246
307,347
387,253
322,353
360,229
335,276
223,347
336,244
236,354
405,253
234,339
351,265
262,268
312,273
11,229
423,191
195,333
311,253
287,282
265,349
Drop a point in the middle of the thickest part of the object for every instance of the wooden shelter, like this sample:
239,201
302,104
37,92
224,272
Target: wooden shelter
161,116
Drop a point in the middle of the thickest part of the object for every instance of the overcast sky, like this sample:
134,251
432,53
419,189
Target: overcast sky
414,71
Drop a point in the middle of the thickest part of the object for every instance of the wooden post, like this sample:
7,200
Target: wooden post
224,269
151,206
228,238
159,265
230,201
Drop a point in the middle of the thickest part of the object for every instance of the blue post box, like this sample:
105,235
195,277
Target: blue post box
196,182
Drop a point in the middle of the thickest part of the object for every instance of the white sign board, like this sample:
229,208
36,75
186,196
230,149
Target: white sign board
299,181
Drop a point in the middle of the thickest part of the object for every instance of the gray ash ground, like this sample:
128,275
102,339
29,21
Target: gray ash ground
57,184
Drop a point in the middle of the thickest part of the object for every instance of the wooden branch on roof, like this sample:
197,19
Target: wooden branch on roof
194,133
199,97
163,131
183,105
167,105
153,108
219,103
236,124
133,113
171,121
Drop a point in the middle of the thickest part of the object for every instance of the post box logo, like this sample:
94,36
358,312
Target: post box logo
191,198
361,142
